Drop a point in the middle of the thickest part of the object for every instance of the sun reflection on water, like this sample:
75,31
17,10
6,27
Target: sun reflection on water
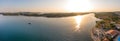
78,21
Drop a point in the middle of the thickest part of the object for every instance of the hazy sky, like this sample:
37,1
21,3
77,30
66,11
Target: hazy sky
53,5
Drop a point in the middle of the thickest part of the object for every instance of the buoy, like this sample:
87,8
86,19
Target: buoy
29,23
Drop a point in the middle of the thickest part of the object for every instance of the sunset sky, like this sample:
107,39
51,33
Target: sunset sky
59,5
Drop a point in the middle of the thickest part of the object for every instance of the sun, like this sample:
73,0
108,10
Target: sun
78,6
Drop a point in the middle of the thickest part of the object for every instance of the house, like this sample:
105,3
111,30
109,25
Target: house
112,35
117,26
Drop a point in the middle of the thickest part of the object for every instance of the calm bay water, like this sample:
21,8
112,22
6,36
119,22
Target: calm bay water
76,28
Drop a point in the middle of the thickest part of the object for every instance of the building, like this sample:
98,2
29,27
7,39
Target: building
117,26
113,35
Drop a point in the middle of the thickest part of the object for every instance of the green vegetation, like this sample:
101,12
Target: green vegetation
109,20
42,14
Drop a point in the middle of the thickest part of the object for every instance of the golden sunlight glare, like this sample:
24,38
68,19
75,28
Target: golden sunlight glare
78,6
78,21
